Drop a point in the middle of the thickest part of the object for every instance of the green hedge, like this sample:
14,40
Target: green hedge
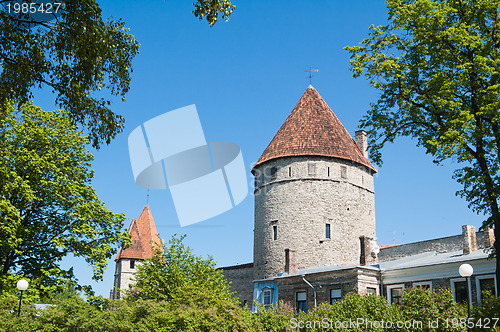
436,311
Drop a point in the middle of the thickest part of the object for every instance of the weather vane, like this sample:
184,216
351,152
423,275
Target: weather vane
310,73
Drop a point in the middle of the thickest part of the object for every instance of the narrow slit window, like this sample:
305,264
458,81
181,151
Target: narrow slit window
275,232
328,168
327,235
289,171
343,172
311,169
274,172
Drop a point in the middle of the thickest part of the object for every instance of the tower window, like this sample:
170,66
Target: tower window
274,172
327,235
289,171
275,232
132,264
328,168
311,169
343,172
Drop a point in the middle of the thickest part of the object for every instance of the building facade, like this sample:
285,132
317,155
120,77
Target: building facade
314,231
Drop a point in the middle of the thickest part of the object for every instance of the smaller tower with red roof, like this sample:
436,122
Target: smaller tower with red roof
143,235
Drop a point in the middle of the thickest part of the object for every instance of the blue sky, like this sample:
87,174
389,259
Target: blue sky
245,76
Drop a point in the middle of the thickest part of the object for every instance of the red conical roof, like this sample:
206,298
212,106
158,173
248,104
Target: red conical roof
143,234
312,129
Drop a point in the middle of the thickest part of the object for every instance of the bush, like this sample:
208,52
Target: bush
436,310
484,316
76,315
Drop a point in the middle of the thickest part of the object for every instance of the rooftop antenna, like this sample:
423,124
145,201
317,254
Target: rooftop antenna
310,73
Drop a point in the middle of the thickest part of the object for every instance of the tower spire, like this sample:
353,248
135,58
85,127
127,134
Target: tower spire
310,74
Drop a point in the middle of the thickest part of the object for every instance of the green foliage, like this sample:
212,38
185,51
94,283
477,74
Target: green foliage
210,10
73,314
489,309
436,66
175,274
437,306
276,318
125,316
78,56
47,205
75,55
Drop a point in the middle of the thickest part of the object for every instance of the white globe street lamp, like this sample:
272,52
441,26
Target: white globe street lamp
22,285
466,271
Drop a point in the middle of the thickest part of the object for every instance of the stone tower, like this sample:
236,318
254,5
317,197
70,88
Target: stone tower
314,194
143,235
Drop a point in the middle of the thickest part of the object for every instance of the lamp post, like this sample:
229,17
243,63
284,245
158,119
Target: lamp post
22,285
466,271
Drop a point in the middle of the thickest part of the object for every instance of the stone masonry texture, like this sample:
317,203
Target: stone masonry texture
296,203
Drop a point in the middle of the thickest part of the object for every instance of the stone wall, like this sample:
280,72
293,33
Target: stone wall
241,278
441,245
347,280
296,206
124,276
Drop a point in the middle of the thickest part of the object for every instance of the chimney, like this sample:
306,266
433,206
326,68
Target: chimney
469,238
369,250
362,142
489,237
290,261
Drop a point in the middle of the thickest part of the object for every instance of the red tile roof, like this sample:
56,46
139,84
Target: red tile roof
312,129
143,232
383,246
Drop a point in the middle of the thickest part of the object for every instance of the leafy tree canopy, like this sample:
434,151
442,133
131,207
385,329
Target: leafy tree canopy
176,275
77,55
211,9
436,65
48,208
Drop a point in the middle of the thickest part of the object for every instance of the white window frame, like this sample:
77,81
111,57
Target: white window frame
264,291
389,295
455,280
423,283
478,285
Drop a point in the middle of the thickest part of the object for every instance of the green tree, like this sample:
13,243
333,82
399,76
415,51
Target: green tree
77,55
48,208
436,64
176,275
211,9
